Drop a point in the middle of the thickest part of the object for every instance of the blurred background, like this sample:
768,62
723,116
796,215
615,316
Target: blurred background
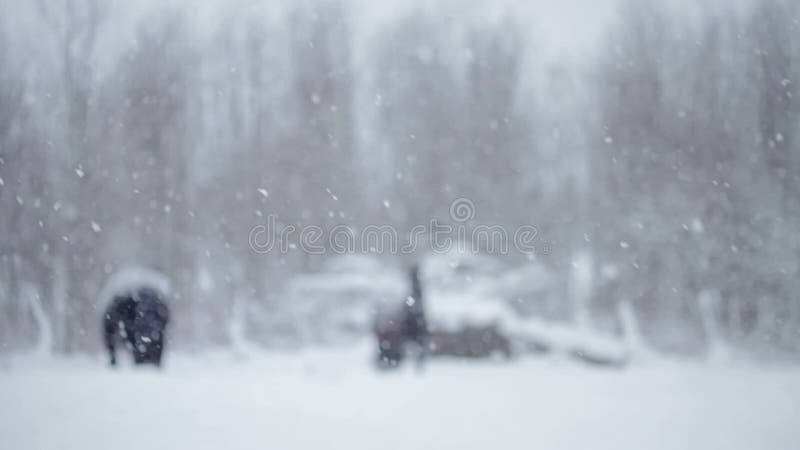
653,145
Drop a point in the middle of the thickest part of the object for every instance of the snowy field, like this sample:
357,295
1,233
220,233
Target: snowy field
334,399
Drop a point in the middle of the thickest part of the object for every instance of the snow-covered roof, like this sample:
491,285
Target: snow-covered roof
349,275
372,283
352,263
453,310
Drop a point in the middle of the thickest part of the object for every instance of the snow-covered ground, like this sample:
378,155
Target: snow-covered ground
334,399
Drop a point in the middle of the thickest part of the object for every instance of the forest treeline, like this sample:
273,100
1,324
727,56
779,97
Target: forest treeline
671,157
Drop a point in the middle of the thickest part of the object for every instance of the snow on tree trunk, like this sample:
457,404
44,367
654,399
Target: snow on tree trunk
4,319
60,287
44,344
581,287
237,335
631,332
716,349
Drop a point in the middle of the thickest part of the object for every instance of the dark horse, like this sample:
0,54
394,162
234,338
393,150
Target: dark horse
138,317
402,327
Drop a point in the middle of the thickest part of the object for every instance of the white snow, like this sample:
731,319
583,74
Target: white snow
454,310
132,277
334,399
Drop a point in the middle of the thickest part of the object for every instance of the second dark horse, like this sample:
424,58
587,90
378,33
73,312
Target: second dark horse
403,327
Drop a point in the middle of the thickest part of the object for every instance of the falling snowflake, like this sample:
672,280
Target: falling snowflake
333,196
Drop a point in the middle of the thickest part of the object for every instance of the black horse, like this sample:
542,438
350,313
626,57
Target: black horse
139,318
402,327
